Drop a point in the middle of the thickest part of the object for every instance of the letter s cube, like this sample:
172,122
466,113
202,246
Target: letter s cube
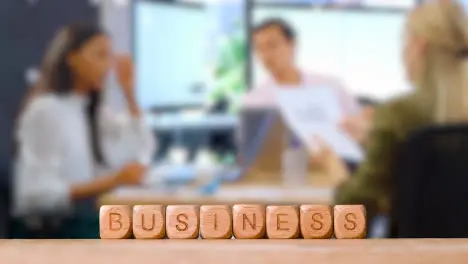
350,221
182,221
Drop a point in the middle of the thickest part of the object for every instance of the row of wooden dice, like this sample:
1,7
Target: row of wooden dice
241,221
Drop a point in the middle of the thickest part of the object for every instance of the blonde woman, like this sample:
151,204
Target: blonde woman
435,53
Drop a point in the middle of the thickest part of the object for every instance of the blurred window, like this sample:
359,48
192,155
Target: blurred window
169,41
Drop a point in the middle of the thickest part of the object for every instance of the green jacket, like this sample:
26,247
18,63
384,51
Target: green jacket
371,185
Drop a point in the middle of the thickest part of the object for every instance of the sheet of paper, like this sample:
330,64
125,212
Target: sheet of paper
316,111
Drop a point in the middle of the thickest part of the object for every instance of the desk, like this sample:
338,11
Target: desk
426,251
226,195
246,192
170,122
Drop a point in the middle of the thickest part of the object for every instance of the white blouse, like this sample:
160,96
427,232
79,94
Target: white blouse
55,150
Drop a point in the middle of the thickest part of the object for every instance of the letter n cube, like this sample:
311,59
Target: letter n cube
249,221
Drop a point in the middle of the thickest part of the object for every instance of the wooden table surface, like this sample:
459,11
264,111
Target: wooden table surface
234,251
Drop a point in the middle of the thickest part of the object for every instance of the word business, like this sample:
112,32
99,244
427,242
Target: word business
239,221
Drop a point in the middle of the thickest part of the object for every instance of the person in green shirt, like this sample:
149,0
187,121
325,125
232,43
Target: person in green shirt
434,56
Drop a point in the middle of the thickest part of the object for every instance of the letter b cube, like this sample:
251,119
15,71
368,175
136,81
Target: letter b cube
115,221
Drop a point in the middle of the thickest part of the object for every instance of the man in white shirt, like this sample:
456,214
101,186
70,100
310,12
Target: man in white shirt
274,43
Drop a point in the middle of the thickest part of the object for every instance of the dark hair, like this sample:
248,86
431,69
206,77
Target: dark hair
288,32
57,77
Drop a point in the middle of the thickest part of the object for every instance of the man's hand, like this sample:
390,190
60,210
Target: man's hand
359,127
326,160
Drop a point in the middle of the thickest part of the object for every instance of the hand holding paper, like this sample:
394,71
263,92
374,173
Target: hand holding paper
358,127
316,111
328,162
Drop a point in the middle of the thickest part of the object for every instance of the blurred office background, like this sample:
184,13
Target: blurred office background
193,57
194,60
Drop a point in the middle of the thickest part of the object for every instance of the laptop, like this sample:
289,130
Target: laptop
261,142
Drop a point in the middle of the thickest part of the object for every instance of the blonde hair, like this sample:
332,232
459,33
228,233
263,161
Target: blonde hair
442,83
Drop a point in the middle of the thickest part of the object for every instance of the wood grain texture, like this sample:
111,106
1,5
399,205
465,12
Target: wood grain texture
426,251
316,221
182,221
350,221
149,221
249,221
216,222
282,222
115,221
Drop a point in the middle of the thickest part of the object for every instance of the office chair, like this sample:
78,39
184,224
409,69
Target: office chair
430,198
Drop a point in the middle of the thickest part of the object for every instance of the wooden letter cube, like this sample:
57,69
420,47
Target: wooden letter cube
316,221
282,222
115,221
149,221
249,221
182,221
350,221
216,221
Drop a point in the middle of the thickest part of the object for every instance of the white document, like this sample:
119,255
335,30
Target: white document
315,111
